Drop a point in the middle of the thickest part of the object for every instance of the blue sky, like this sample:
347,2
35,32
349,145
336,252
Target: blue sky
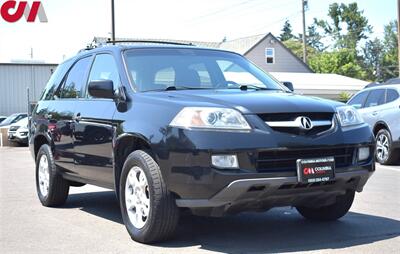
73,23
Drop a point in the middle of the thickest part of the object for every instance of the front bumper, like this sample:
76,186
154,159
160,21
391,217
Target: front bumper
261,194
19,137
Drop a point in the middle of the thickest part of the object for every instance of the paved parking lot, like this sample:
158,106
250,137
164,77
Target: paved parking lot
90,222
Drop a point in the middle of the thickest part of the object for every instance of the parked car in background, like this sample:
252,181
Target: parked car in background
18,132
2,118
380,108
13,119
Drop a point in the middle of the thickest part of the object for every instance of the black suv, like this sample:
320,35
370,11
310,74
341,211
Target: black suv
171,127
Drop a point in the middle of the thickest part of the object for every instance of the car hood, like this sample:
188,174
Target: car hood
251,101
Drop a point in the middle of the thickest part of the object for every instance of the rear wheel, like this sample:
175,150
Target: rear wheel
148,209
385,154
330,212
51,188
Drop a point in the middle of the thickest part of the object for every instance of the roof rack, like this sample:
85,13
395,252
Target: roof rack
150,41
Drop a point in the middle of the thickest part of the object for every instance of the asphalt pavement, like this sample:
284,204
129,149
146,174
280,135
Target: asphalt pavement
90,222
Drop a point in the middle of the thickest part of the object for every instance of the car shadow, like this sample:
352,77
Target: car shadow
278,230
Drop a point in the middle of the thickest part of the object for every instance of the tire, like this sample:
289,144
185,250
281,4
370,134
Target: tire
330,212
159,215
51,188
383,143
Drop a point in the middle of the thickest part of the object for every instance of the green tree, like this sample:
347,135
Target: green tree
286,32
340,61
348,17
373,58
296,46
390,64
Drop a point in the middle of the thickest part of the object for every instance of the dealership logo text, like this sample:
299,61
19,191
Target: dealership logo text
12,11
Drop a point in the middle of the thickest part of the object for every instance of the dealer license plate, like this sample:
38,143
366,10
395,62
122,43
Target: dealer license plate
316,170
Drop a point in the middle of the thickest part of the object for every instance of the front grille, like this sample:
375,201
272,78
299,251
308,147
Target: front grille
285,160
14,128
314,116
292,116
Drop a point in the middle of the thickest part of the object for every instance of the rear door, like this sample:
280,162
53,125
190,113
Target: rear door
60,114
94,129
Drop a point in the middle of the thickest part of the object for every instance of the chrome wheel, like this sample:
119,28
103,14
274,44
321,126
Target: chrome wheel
382,147
44,175
137,197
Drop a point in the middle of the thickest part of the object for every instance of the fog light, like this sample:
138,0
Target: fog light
225,161
363,153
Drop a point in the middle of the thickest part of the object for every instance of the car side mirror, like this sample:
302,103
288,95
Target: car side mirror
101,89
289,85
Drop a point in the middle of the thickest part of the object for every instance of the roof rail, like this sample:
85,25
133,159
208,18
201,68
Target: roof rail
88,47
150,41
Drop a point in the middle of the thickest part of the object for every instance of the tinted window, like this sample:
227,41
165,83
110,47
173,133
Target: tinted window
105,68
358,100
375,98
55,81
75,82
157,69
391,95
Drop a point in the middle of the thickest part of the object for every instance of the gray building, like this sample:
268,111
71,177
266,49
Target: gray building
15,78
265,50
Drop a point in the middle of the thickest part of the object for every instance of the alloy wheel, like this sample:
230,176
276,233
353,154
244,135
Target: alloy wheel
382,147
44,176
137,197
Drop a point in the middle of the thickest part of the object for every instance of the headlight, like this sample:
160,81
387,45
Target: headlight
210,118
348,116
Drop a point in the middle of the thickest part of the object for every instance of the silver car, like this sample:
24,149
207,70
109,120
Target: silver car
380,108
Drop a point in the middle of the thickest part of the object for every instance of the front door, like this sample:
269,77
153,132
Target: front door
94,127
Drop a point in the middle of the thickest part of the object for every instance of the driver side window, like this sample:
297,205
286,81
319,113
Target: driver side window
105,68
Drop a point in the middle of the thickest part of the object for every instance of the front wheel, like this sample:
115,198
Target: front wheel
148,209
52,189
330,212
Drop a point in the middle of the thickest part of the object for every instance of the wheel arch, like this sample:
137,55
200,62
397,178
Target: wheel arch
379,126
123,146
40,140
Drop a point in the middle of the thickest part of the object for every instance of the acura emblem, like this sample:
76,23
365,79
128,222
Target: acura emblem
305,123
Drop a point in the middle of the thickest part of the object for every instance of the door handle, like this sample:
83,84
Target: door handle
374,113
77,117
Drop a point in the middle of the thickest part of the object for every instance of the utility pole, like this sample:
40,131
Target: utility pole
304,4
398,33
112,21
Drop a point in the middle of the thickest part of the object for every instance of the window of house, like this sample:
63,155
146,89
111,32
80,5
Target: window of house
270,55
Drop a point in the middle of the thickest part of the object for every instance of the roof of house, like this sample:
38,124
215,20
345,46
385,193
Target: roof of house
320,81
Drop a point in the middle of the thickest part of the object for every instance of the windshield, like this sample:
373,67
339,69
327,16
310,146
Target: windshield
162,69
13,119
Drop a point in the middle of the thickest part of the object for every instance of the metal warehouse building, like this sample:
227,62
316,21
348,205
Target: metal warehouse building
15,78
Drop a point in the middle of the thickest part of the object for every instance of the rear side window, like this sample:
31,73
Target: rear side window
375,98
391,95
55,80
76,79
358,100
105,68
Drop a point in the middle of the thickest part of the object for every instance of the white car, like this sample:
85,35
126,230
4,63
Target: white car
380,108
18,132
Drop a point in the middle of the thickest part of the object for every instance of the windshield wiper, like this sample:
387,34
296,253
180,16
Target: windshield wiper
173,88
246,87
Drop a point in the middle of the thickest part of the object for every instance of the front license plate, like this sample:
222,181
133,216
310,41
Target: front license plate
316,170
